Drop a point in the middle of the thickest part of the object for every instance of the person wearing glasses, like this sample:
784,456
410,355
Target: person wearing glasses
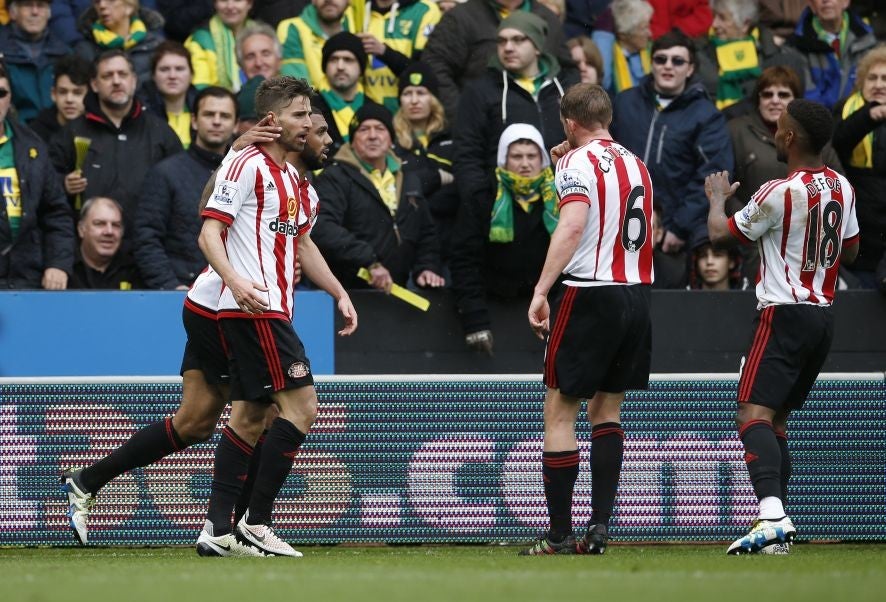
670,122
459,48
525,85
753,142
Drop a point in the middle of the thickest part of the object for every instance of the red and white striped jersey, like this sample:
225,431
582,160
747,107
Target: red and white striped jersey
800,225
616,246
202,297
266,209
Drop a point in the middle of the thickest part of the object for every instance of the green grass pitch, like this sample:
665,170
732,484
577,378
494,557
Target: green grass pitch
851,573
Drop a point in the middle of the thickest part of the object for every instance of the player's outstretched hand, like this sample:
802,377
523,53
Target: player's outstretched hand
248,295
349,314
262,131
539,315
559,151
718,188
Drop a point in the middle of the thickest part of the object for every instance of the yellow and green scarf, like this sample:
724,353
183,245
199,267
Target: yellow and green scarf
738,63
106,38
523,191
863,154
342,110
621,76
226,53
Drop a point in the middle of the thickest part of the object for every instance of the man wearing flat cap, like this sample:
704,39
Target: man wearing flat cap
373,213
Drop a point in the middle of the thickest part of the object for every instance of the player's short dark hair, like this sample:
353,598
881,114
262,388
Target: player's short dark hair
278,92
675,37
107,55
216,92
75,67
587,104
170,47
815,121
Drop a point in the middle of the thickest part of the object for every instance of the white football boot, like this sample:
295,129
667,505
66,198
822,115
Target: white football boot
79,504
264,538
223,545
764,532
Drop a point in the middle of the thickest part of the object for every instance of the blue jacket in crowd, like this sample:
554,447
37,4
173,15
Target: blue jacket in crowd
830,77
680,144
31,67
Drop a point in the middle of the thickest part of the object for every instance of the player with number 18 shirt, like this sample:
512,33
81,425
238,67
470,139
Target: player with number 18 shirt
804,226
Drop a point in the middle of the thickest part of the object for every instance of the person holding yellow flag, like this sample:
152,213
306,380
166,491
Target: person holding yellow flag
860,142
735,52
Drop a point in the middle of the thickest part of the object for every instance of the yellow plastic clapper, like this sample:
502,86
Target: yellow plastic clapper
401,293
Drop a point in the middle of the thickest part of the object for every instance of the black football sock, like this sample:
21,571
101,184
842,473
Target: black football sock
232,457
145,447
607,452
278,454
763,457
559,471
786,468
243,501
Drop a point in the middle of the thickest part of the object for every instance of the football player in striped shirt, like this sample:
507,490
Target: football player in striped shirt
804,226
599,329
256,225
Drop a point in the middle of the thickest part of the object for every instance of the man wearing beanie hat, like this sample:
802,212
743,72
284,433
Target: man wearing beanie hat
459,49
523,85
341,92
374,214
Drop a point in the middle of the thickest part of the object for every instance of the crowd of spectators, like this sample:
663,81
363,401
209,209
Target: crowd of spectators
115,113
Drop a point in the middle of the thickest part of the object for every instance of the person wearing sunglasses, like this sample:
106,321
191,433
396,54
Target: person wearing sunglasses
669,121
753,141
37,240
735,52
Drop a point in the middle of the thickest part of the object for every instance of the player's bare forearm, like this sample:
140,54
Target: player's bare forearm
213,247
316,269
564,242
718,227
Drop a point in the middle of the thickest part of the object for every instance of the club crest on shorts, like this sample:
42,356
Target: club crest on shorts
298,370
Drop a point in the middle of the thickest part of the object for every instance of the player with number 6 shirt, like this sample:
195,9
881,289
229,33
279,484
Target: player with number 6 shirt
805,226
598,328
